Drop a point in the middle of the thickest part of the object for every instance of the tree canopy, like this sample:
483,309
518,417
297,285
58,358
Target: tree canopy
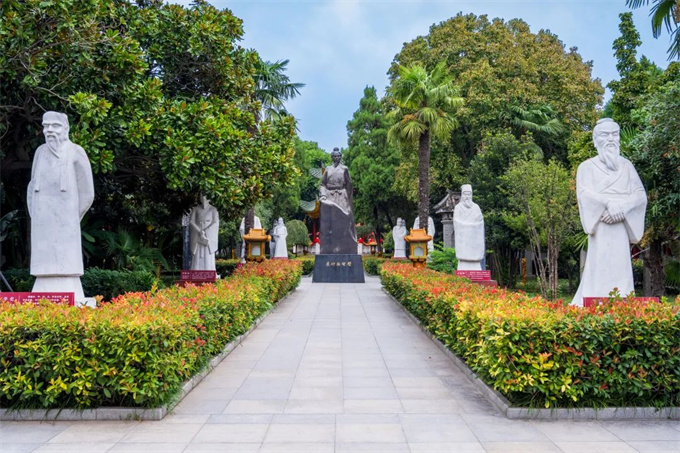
160,96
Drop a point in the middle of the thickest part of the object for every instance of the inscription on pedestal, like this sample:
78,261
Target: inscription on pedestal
35,298
592,301
475,276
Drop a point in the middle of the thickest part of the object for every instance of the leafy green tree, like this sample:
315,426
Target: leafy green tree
664,13
501,65
655,153
546,208
497,153
297,233
425,104
308,157
160,96
273,88
372,162
637,77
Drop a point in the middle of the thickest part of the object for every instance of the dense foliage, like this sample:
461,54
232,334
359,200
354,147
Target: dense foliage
160,96
541,354
136,351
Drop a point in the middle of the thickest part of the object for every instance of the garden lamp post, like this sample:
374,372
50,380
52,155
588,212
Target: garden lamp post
417,240
255,243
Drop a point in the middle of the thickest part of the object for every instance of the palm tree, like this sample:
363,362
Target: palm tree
425,104
273,87
664,12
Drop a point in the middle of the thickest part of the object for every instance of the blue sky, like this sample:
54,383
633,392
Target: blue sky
339,47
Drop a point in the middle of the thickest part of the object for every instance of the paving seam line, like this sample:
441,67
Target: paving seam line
514,412
134,413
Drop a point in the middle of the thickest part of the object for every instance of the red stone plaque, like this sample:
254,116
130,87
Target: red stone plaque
591,301
475,276
34,298
204,276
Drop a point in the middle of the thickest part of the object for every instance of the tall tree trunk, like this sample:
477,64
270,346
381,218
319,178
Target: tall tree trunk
250,220
424,178
654,263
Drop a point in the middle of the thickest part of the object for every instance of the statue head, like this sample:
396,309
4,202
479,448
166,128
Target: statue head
280,221
55,129
336,156
606,140
204,200
466,195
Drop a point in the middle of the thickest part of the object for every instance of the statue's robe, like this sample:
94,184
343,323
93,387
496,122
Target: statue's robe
608,263
337,228
59,194
398,234
280,233
430,231
203,251
468,230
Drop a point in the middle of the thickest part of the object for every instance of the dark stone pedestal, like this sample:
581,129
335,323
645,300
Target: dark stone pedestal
338,235
346,268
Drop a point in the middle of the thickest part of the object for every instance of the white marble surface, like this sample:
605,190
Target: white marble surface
398,234
468,230
204,226
612,204
279,235
59,194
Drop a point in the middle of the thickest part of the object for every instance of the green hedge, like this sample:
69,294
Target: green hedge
226,267
372,263
307,263
542,354
96,282
136,351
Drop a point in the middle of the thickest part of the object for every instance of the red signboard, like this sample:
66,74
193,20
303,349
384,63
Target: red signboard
34,298
475,276
591,301
203,276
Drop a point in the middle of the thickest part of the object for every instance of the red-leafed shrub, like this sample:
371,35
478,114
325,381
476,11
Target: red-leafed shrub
538,353
135,351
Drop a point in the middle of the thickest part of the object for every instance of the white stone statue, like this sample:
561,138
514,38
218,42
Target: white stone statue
430,231
242,230
468,230
279,235
398,234
612,204
60,192
204,226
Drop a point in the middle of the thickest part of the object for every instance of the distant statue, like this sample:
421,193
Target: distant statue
338,232
612,204
430,231
204,226
242,230
398,234
468,230
279,235
60,192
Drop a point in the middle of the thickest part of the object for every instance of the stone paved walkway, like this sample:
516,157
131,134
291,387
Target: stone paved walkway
338,368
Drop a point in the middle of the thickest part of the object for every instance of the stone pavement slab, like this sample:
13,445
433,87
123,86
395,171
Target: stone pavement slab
338,368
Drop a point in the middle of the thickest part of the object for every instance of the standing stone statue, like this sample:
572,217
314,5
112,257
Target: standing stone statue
430,231
280,233
468,230
398,234
338,232
242,230
204,226
612,204
59,194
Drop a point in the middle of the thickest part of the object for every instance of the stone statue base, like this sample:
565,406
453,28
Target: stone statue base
345,268
469,265
337,231
59,284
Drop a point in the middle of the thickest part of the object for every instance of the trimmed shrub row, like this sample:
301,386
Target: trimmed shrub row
99,282
136,351
542,354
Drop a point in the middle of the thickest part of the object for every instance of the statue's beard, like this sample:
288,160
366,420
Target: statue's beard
53,142
467,203
609,155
